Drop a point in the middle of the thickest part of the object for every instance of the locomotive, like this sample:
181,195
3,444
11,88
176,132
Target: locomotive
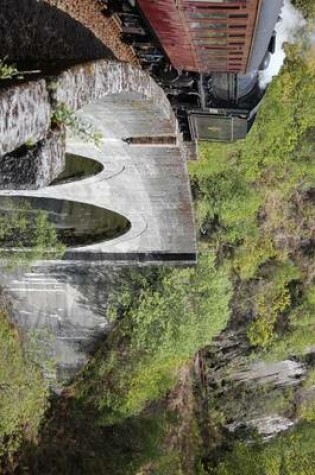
206,54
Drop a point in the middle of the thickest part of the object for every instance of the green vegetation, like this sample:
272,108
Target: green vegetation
26,234
65,116
23,394
162,324
131,409
255,206
7,71
254,199
292,453
307,7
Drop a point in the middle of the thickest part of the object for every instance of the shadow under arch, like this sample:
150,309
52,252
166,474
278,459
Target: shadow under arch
77,224
77,168
34,34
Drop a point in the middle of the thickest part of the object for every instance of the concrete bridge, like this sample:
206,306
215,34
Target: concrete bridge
145,181
63,304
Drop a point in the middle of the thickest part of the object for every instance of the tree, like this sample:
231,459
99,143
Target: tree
26,234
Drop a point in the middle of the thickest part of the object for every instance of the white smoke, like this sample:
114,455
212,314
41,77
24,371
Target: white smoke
287,31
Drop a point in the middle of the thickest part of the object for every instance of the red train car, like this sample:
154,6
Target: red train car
216,36
206,54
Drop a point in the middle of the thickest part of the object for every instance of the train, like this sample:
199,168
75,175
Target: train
206,54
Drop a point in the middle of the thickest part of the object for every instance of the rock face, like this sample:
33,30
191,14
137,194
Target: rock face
268,427
252,396
278,373
34,167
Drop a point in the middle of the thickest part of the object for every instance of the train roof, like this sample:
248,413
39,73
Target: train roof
213,36
266,21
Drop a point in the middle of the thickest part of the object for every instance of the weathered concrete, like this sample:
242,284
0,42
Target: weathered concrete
62,305
62,311
147,184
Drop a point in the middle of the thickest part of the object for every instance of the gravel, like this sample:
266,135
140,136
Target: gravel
88,13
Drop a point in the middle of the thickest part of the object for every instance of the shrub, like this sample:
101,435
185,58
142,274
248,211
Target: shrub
26,234
290,454
7,71
64,116
23,394
163,326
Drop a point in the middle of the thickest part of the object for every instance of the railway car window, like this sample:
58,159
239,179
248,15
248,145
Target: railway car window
237,27
210,15
209,41
207,1
238,15
213,26
237,35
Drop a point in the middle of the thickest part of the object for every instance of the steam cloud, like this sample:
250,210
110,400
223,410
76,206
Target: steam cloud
287,30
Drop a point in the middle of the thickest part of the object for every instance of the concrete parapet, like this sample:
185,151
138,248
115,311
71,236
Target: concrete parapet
25,109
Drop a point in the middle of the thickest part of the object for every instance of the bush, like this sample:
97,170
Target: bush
23,394
164,324
26,235
290,454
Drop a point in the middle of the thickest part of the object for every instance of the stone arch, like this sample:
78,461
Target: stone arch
26,109
93,81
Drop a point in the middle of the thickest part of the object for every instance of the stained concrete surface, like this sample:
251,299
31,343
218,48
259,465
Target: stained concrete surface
147,184
62,305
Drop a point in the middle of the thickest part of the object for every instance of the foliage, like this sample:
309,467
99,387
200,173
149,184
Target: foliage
26,234
270,300
63,115
23,394
307,7
251,200
290,454
163,325
7,71
306,407
74,442
300,337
